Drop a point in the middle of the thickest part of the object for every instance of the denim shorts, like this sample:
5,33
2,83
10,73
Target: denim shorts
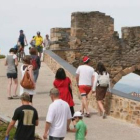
12,75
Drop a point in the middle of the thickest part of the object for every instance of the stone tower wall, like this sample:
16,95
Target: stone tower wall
93,35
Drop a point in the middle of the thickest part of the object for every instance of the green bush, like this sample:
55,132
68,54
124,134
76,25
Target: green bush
2,56
3,129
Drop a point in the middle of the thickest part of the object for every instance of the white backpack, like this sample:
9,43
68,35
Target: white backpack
103,80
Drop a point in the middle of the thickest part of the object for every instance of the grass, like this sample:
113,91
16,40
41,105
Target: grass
3,128
2,56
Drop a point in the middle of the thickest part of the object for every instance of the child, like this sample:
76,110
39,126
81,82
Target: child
80,127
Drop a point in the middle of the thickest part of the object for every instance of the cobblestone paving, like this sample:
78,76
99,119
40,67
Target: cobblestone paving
98,128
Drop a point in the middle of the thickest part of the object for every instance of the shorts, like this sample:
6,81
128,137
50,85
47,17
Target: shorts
84,90
100,93
39,49
12,75
22,44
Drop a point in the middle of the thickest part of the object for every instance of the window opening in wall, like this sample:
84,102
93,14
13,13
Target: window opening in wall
129,84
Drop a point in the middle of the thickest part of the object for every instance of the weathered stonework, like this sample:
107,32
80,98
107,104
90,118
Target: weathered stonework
93,34
116,106
60,38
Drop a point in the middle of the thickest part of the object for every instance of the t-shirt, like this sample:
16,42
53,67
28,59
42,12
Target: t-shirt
38,40
81,130
58,114
21,38
26,116
10,58
46,43
85,73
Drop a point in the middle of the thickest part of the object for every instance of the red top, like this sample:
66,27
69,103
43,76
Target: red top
63,87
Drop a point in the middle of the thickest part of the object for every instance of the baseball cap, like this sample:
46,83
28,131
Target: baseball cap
85,59
25,96
77,114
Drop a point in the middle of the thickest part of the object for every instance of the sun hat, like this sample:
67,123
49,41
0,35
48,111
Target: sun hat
77,114
85,59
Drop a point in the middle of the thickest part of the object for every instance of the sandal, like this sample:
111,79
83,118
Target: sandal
87,115
82,112
9,98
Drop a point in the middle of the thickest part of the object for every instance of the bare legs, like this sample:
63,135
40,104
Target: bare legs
101,108
9,87
15,82
15,85
85,104
100,105
40,55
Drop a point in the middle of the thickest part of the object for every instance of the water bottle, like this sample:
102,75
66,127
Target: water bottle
7,137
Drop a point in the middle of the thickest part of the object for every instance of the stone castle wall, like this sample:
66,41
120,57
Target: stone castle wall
116,106
60,38
93,35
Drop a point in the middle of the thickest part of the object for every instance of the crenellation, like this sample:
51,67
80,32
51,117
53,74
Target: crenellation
93,34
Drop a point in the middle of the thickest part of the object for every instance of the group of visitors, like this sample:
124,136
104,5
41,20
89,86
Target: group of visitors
37,42
96,80
61,110
31,63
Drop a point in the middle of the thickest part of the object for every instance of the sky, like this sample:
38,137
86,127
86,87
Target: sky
130,79
42,15
128,83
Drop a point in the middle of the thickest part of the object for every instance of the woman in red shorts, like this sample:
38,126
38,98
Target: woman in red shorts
63,84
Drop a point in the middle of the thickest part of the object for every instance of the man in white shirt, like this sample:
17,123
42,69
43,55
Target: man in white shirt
84,78
58,117
46,42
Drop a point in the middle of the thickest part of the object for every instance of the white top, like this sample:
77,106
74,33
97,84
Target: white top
95,83
85,73
46,43
22,90
58,114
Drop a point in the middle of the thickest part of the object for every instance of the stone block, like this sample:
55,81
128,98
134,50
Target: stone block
54,39
138,122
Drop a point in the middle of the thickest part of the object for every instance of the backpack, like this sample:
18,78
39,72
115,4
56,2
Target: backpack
34,63
26,81
103,80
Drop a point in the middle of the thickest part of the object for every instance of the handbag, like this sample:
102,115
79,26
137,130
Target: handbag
26,81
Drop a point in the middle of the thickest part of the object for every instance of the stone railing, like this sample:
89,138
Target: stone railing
117,104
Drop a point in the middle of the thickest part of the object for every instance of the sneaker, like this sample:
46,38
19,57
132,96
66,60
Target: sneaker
9,98
104,115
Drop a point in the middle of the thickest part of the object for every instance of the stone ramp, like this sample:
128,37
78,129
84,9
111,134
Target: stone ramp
98,128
